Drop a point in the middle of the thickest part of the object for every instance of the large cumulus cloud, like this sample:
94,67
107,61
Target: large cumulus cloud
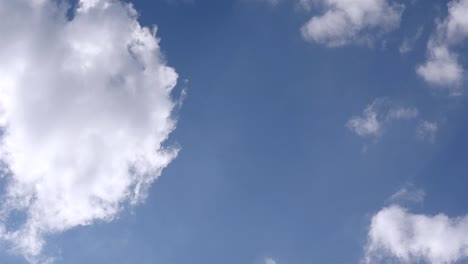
85,105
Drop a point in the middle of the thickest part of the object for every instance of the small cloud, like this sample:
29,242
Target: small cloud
402,113
409,42
427,130
270,261
408,194
377,115
366,125
405,46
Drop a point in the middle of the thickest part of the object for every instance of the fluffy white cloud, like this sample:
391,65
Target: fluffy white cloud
85,105
378,114
270,261
347,21
442,68
398,234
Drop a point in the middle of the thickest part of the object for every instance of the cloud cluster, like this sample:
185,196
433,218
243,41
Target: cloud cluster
85,105
400,235
344,21
377,115
442,68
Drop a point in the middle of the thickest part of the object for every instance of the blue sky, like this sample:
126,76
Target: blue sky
288,149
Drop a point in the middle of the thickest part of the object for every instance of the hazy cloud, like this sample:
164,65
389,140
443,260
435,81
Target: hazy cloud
408,43
427,130
408,194
402,113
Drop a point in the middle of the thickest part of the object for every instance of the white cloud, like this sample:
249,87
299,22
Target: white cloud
270,261
367,124
427,130
347,21
442,68
85,106
377,115
397,234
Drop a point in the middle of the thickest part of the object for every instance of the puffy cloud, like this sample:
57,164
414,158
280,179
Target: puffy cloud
367,124
442,68
270,261
397,234
85,105
378,114
347,21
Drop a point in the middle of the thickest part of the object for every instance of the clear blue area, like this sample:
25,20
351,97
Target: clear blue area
267,166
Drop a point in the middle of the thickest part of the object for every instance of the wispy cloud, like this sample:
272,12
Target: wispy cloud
85,106
427,130
379,114
408,43
402,113
408,194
